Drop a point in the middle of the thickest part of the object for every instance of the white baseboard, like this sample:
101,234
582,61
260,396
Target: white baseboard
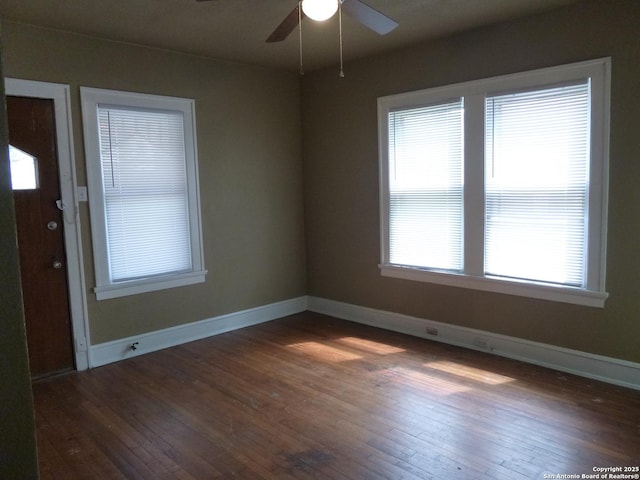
597,367
109,352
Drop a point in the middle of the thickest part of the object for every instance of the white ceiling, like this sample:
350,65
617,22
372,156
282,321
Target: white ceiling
236,30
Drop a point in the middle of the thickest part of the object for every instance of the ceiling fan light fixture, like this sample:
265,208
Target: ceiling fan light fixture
319,10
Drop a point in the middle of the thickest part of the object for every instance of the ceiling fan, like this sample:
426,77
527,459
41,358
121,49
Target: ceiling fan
320,10
323,9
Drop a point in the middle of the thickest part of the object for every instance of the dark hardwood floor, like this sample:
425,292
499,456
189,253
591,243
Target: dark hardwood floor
313,397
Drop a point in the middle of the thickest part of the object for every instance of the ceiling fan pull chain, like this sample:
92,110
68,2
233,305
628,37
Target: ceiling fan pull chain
300,34
340,26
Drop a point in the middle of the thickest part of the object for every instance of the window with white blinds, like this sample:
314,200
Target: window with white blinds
500,184
143,191
425,186
536,187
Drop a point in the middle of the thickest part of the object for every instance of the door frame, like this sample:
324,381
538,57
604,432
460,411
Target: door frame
60,94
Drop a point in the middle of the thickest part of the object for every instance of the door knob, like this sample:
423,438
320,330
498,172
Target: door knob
57,264
52,225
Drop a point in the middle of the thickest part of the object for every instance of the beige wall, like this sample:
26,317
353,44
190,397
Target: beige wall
17,438
248,128
341,175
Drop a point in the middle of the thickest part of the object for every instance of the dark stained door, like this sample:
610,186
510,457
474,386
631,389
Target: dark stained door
40,223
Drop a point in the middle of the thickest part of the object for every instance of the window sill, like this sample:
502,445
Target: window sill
135,287
541,291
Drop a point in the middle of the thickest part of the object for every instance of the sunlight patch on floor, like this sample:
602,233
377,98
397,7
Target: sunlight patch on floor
432,383
370,346
325,352
471,373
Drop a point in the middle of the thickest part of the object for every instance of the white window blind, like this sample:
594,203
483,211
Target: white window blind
536,184
425,186
142,155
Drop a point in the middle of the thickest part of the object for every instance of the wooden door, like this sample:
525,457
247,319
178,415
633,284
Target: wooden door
40,224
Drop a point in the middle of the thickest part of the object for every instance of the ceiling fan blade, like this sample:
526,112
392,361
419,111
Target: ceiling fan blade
287,26
369,16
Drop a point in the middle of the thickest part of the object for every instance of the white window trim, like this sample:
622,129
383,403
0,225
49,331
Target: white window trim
105,289
474,93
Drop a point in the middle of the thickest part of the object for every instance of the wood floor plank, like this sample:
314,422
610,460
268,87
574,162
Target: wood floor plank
314,397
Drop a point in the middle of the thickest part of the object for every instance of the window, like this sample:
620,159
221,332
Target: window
425,191
24,169
143,189
500,184
536,184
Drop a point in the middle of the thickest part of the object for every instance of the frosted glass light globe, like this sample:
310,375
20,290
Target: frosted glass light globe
319,10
